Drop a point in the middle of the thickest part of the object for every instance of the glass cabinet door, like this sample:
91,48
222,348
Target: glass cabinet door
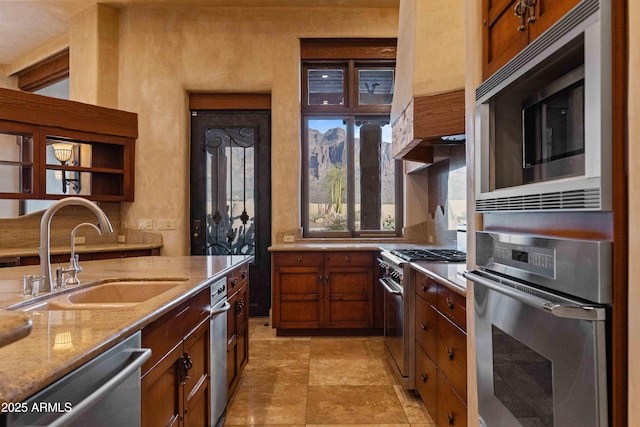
16,160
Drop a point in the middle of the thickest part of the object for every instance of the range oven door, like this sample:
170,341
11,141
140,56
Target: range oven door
394,329
541,359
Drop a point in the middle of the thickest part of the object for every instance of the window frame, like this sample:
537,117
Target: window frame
351,112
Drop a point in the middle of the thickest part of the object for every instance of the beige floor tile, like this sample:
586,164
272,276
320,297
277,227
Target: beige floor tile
276,372
348,372
413,407
354,405
281,349
347,348
268,404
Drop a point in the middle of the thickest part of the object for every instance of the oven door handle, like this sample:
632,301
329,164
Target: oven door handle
389,288
568,311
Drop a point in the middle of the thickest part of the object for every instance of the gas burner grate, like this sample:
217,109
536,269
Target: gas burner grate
435,255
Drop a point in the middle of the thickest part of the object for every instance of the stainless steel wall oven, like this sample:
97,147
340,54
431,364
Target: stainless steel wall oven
541,309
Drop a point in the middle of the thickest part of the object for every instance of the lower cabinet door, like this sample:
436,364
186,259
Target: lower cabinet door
161,392
427,381
196,385
451,410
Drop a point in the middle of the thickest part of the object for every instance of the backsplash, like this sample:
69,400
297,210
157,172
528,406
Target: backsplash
24,231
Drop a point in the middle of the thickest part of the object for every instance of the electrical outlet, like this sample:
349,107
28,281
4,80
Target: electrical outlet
166,224
145,224
122,238
289,238
79,240
124,224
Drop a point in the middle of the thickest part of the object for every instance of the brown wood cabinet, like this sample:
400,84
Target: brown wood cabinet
505,32
237,325
95,145
318,290
441,350
175,380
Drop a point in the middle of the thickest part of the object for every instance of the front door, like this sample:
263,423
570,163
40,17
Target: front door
231,192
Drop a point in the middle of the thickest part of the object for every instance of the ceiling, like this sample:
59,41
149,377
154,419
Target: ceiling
27,24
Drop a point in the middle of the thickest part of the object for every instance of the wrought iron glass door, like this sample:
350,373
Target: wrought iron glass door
230,192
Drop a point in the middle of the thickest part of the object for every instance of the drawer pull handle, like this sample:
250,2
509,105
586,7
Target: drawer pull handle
425,377
234,282
347,258
450,304
423,326
298,258
450,353
424,288
451,418
244,275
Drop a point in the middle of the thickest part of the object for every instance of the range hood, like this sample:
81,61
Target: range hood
428,122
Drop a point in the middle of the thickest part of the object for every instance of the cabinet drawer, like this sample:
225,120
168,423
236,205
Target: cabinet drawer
237,277
452,355
453,305
303,259
345,259
426,287
426,381
163,334
426,328
451,411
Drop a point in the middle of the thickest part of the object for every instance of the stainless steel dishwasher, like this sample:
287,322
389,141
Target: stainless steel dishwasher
103,392
219,308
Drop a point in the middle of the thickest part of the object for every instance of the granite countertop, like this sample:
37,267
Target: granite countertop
57,250
35,361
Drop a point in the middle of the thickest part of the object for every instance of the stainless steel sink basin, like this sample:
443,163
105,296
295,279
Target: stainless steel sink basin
109,295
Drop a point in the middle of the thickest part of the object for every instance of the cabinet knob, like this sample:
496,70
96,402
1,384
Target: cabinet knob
423,326
424,288
244,275
450,418
299,258
450,353
450,304
425,377
196,235
234,282
347,258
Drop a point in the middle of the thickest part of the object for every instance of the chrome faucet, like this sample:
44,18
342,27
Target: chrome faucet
104,227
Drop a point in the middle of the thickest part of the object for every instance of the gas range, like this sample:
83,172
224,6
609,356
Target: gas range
430,255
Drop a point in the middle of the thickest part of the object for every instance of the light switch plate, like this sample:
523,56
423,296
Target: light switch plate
145,224
166,224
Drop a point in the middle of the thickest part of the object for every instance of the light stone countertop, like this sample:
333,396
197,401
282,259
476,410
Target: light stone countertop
33,362
57,250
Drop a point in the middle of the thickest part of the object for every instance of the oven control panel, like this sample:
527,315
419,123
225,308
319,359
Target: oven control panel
541,261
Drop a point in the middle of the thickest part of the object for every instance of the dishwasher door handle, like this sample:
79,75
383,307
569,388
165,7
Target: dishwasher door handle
224,308
141,356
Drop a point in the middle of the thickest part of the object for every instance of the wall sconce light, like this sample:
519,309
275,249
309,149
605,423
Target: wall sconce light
63,153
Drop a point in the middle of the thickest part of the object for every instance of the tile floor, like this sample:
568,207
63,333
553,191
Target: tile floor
320,381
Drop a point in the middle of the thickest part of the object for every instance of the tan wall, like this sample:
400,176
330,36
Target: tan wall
634,206
167,52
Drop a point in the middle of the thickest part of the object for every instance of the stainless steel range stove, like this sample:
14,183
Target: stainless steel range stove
399,334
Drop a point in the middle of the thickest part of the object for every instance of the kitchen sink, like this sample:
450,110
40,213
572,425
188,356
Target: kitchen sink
109,295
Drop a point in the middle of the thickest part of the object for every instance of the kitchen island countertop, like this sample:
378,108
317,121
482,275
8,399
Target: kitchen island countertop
32,363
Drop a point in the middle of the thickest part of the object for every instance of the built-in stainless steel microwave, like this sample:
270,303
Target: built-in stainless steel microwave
543,121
